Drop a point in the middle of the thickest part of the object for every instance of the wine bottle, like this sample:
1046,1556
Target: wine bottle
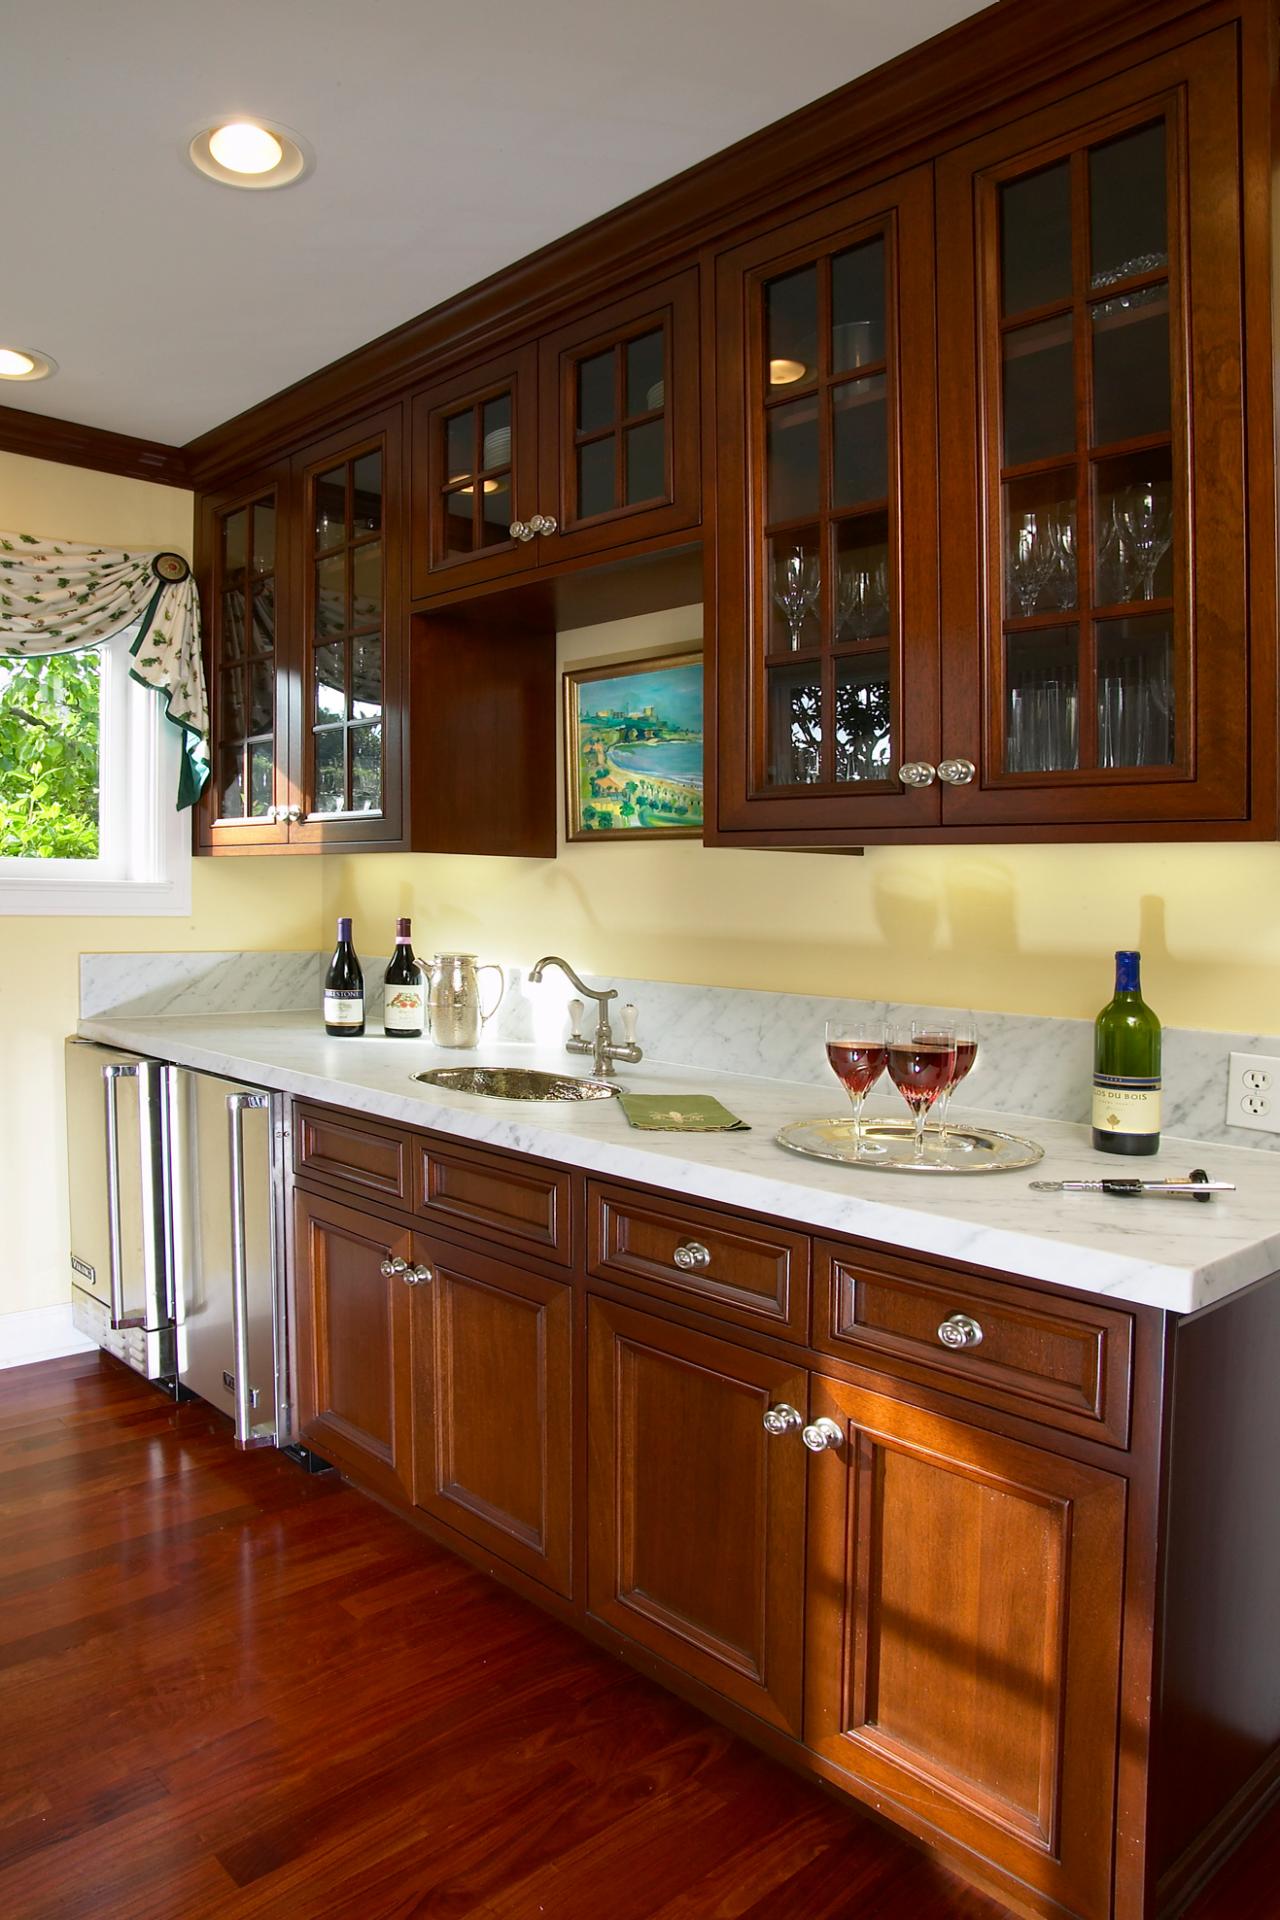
1126,1067
404,998
344,987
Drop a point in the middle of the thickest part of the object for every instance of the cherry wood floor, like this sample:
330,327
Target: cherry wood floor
230,1689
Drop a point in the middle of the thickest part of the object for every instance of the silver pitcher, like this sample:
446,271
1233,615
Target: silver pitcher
453,999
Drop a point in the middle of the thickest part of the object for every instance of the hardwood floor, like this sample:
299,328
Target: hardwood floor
230,1689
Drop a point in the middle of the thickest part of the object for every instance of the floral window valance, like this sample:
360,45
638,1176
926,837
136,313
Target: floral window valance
60,597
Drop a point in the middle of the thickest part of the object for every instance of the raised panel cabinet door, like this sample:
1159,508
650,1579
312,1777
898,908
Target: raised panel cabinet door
695,1513
354,1335
618,423
826,649
965,1613
1097,652
475,476
493,1391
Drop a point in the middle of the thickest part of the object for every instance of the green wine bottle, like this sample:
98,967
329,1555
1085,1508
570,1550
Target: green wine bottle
1126,1067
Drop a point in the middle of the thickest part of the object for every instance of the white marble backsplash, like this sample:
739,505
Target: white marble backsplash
1026,1063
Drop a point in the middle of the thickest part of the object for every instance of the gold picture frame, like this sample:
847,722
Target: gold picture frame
633,759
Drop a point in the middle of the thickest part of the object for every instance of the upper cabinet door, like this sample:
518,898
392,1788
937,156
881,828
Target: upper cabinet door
1094,608
826,618
618,423
475,476
347,760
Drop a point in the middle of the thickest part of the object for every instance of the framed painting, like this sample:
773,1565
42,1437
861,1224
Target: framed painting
633,749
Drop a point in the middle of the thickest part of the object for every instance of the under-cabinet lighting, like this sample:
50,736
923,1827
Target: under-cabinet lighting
24,363
785,373
250,153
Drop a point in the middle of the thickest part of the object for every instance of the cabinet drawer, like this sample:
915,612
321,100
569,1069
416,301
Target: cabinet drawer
502,1197
1064,1362
350,1152
755,1275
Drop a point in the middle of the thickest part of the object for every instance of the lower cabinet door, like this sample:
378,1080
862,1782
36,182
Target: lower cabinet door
354,1359
964,1636
696,1515
493,1419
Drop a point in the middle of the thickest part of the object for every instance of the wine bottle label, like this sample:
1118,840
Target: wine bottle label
402,1009
343,1007
1126,1103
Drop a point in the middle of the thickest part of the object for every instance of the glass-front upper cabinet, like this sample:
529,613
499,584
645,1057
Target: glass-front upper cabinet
475,476
1090,257
826,622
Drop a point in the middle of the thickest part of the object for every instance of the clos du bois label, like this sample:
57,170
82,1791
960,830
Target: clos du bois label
1126,1103
343,1006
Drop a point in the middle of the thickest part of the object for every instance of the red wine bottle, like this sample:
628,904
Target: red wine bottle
405,993
1126,1067
344,988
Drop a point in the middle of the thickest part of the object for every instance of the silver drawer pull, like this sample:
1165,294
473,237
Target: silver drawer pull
782,1419
956,773
391,1267
417,1276
960,1331
917,773
822,1436
692,1257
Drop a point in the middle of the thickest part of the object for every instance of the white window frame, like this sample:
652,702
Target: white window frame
144,860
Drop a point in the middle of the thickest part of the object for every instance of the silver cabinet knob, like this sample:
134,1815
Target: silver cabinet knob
390,1268
521,530
782,1419
692,1257
418,1276
917,773
543,523
272,813
960,1331
822,1435
956,773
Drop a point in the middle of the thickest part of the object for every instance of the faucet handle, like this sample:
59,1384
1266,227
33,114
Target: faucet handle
576,1010
630,1016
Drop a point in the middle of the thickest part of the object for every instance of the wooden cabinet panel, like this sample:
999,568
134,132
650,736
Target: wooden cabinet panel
494,1398
1051,1359
970,1671
350,1151
696,1515
499,1195
749,1273
354,1352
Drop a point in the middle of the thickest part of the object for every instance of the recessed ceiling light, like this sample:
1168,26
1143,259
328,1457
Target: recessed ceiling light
240,152
784,373
24,363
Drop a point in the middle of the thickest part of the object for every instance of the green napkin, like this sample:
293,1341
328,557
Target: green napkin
679,1113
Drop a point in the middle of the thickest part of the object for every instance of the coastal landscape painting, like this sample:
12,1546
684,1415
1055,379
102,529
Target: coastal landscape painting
633,750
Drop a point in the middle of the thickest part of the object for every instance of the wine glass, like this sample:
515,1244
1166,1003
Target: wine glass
922,1061
797,583
1144,519
1034,556
857,1053
966,1035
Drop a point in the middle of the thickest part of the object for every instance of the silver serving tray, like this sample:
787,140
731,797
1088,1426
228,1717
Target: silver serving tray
983,1149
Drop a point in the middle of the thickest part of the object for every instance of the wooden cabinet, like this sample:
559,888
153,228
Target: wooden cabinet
965,1614
580,443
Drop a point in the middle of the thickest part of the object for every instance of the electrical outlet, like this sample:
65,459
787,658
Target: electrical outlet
1253,1092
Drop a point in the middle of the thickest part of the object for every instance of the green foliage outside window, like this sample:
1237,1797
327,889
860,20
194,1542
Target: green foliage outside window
49,757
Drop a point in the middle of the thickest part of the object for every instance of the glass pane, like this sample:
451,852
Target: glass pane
860,454
232,715
331,509
864,748
329,796
1040,557
264,616
1039,392
262,777
366,769
231,634
857,307
235,536
1127,199
460,445
597,481
595,392
231,783
366,585
331,594
366,494
862,609
1042,701
646,373
1035,239
366,678
794,697
1133,527
264,537
791,329
331,699
1135,692
495,509
646,462
496,422
792,457
1131,366
795,570
459,532
261,696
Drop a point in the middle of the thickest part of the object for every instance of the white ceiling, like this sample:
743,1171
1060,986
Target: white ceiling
449,141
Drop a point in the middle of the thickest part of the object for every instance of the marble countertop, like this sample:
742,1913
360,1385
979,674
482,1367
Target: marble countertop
1174,1254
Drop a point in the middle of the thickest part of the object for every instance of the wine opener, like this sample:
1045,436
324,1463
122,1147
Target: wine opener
1196,1186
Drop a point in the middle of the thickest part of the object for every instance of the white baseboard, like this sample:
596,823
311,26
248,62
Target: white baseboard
39,1333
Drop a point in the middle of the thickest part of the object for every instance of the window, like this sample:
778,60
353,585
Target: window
88,774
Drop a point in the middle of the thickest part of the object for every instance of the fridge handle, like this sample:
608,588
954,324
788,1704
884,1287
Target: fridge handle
116,1071
246,1434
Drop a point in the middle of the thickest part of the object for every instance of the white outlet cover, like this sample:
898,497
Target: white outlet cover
1253,1092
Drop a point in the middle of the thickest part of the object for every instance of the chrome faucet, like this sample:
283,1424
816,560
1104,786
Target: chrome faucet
602,1049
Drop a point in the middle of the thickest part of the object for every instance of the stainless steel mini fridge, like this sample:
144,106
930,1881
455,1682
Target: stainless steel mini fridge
175,1261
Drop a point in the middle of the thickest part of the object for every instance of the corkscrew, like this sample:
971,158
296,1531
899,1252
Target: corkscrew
1196,1186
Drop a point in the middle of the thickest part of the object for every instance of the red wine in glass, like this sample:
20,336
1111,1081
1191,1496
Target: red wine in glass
966,1040
966,1054
922,1066
856,1055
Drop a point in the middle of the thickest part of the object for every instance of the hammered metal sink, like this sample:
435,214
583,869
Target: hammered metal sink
517,1083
